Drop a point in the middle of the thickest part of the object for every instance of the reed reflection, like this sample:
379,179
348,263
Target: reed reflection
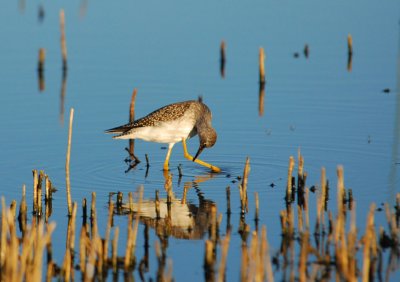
261,97
173,216
62,95
40,69
222,59
349,53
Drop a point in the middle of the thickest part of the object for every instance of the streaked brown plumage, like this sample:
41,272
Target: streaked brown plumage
171,124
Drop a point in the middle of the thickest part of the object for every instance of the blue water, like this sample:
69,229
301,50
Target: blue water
169,51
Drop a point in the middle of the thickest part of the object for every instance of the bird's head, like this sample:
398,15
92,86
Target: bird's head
207,137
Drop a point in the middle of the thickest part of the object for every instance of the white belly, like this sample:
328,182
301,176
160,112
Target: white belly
164,133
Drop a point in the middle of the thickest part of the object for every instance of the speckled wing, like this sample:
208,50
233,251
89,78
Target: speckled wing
164,114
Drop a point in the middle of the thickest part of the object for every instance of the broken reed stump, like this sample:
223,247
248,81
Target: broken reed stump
243,187
23,209
289,185
132,234
261,98
131,120
63,40
35,184
114,257
300,180
222,59
349,52
67,266
256,201
336,253
40,69
62,95
67,162
321,204
39,193
349,45
228,200
306,51
261,59
224,255
157,205
209,261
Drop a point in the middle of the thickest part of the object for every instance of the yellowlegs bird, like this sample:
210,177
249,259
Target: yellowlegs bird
171,124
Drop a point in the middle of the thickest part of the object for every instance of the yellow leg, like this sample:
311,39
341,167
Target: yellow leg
166,162
189,157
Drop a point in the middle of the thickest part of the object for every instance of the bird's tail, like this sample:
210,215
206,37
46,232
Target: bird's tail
122,130
118,129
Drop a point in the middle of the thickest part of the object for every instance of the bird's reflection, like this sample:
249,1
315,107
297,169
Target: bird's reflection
173,216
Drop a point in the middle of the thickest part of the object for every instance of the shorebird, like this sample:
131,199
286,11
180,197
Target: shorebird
171,124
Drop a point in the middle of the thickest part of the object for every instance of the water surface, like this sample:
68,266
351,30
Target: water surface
169,51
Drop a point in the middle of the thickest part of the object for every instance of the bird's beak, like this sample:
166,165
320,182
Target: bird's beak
201,147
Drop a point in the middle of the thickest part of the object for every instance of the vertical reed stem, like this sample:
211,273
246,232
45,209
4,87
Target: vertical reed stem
261,59
115,249
63,40
289,179
131,120
35,184
349,44
67,171
257,206
224,255
222,58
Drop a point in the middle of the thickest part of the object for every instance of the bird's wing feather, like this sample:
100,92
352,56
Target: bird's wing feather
166,113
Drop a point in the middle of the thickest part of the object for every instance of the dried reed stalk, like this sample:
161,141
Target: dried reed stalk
47,185
93,216
63,40
213,224
303,257
299,219
261,98
67,161
368,238
244,264
132,119
228,200
23,209
268,266
320,223
108,231
35,184
39,193
41,59
222,58
256,200
157,205
352,247
224,255
115,249
243,186
261,59
70,245
42,241
306,209
289,179
209,259
340,190
82,250
132,234
349,44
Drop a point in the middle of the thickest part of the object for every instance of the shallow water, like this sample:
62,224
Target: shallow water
169,51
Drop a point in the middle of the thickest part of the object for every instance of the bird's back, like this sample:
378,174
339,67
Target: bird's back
165,114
